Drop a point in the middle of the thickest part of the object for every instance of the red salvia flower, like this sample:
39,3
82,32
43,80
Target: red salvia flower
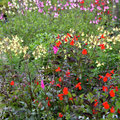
102,46
102,36
58,85
78,86
71,98
68,73
112,71
77,78
108,75
60,79
95,104
37,83
68,34
49,103
106,105
60,115
105,79
99,18
58,36
105,89
82,2
57,70
58,44
72,42
112,94
60,96
112,110
84,52
116,88
12,83
65,91
100,77
118,111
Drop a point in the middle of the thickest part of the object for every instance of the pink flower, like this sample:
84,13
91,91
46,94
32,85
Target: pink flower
56,15
42,84
55,49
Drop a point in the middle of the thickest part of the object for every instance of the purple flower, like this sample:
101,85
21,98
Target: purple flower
55,49
42,84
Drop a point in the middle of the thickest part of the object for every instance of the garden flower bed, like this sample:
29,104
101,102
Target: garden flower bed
60,60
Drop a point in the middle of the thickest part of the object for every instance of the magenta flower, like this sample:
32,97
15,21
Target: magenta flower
42,84
55,49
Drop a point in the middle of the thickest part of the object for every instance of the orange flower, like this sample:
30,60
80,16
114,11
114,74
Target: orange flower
60,115
12,83
112,94
57,70
60,79
112,110
84,52
116,88
105,79
78,86
58,44
106,105
105,89
65,91
72,42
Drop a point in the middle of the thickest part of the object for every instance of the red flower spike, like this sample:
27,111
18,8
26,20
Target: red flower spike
105,79
58,85
102,46
112,71
65,91
106,105
77,78
118,111
95,104
71,98
46,98
58,44
95,100
84,52
99,18
60,79
102,36
108,75
68,74
12,83
116,88
57,70
72,42
60,115
58,36
112,110
112,94
68,34
105,89
37,83
49,103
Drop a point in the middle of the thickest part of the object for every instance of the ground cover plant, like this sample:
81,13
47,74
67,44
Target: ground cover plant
59,60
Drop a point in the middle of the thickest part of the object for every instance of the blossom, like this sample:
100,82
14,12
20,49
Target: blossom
58,44
52,82
102,36
78,86
42,84
102,46
105,89
68,34
105,79
60,115
95,104
112,110
58,85
84,52
108,75
112,94
65,91
67,73
60,96
49,103
57,70
116,88
71,98
112,71
72,42
100,77
58,36
106,105
60,79
37,83
55,49
12,83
